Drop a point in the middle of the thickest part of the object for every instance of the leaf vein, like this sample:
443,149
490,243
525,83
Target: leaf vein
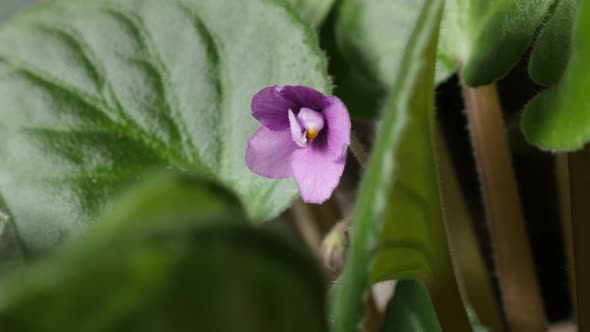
215,71
160,71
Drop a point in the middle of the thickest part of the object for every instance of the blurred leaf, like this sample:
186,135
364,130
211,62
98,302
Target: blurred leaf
9,8
553,46
410,310
371,37
313,12
488,37
11,254
398,231
558,119
364,32
362,97
94,92
171,257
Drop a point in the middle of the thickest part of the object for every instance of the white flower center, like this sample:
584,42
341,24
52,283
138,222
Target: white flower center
305,126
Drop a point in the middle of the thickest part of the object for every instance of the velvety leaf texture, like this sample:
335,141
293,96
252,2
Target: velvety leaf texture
503,33
553,46
406,202
95,92
410,310
174,255
486,38
558,119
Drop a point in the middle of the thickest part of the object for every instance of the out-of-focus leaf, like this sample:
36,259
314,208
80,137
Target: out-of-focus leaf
9,8
488,37
553,46
398,230
312,11
172,256
94,92
11,254
410,310
364,32
559,118
371,38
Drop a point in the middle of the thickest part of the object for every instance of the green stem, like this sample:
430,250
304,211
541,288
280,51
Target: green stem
516,273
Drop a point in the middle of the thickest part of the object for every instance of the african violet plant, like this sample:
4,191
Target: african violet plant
162,161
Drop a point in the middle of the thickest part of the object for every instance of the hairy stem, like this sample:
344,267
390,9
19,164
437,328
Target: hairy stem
359,151
579,182
516,273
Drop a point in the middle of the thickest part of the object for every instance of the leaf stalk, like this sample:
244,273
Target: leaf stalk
513,259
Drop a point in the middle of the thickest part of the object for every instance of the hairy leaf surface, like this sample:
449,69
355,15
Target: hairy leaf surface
558,119
95,92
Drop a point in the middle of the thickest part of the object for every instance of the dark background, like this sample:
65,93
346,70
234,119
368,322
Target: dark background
535,171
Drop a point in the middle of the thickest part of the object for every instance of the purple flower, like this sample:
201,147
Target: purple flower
304,135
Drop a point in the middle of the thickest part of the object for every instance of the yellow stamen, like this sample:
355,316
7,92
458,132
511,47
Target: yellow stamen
311,133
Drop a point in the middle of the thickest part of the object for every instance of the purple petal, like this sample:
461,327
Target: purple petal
297,131
337,129
270,108
304,97
316,174
269,153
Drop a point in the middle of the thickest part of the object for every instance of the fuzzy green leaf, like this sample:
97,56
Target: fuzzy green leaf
559,118
487,38
174,255
507,28
95,92
553,46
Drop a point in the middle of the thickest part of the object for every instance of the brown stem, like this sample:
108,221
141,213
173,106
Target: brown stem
565,207
579,181
516,273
